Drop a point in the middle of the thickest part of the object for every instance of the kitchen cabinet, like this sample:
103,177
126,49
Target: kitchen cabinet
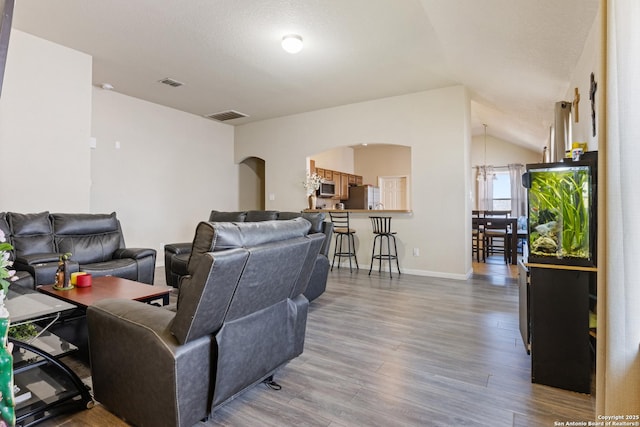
344,186
326,174
329,175
342,179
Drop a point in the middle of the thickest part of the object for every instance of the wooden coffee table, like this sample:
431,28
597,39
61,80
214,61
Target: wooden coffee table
73,326
110,287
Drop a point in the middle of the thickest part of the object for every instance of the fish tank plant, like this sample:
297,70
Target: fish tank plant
562,213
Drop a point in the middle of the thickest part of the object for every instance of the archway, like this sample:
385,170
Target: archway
387,166
251,184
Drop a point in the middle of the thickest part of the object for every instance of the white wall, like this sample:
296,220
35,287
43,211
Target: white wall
500,152
377,160
171,170
45,122
435,124
338,159
590,61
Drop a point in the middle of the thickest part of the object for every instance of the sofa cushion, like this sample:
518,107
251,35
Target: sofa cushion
315,218
64,223
90,238
217,216
255,216
219,236
31,233
289,215
205,295
29,224
212,237
125,268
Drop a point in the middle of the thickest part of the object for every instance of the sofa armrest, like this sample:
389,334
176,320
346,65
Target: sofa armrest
178,248
124,336
173,272
42,267
145,259
152,319
34,259
327,229
134,253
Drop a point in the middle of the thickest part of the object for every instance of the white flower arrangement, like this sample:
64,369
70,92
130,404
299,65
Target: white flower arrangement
6,274
312,182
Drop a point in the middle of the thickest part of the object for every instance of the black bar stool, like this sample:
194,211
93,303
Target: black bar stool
382,229
342,230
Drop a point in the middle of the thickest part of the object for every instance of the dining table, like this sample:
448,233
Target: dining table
511,238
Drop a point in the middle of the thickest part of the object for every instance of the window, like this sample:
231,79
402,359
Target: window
501,191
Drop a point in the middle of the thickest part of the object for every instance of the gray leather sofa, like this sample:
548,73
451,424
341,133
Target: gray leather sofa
240,316
94,240
176,255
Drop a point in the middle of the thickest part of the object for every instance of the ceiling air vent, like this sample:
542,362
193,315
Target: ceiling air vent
171,82
226,115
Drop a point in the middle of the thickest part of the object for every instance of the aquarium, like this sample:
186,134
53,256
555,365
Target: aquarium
562,213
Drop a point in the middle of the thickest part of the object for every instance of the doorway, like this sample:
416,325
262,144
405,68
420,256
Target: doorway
394,192
251,183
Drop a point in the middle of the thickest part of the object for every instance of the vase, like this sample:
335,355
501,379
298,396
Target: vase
312,201
7,403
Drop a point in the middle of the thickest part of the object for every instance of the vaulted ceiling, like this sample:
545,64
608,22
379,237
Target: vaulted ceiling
515,56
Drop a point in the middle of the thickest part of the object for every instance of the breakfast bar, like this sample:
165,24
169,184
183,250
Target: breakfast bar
363,234
369,212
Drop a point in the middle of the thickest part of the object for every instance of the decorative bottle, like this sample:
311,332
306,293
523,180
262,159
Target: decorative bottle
60,273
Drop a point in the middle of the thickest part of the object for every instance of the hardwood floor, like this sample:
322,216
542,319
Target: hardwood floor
408,351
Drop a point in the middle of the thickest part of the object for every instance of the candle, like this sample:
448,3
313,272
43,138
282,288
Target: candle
74,277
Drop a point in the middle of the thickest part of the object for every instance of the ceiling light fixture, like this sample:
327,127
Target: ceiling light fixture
292,43
486,171
107,86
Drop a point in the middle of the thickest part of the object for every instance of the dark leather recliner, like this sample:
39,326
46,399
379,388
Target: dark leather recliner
94,240
176,255
240,316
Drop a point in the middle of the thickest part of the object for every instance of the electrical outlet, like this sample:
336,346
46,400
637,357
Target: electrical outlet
416,251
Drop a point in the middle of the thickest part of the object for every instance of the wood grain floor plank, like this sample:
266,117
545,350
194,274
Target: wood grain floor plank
407,351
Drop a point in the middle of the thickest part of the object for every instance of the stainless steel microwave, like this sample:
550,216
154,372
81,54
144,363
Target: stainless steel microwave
327,189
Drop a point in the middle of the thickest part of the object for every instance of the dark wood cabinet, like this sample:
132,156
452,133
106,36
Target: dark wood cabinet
523,305
559,304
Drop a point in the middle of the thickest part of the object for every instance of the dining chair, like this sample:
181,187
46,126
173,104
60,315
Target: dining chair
477,239
495,236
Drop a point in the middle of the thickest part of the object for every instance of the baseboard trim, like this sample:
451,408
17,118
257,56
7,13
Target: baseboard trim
425,273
